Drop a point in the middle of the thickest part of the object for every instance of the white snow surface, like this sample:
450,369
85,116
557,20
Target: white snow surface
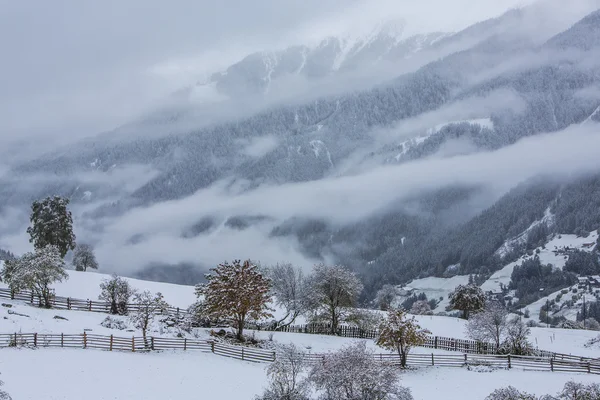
96,374
435,288
101,375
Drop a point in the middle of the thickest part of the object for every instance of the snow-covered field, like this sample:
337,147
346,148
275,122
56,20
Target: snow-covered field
94,374
100,375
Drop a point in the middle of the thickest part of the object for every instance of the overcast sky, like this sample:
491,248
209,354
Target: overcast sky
72,68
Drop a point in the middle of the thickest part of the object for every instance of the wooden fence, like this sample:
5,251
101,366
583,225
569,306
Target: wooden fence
433,342
69,303
137,344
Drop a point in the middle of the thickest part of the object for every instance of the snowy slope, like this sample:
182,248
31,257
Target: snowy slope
547,256
86,285
436,288
98,375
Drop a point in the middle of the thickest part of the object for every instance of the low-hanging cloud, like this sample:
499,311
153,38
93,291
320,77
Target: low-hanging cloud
340,200
77,78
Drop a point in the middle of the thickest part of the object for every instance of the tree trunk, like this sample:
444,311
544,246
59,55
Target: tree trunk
240,330
465,314
402,354
113,307
334,321
46,298
144,328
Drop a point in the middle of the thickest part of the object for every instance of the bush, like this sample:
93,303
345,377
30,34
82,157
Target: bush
285,374
352,373
113,323
510,393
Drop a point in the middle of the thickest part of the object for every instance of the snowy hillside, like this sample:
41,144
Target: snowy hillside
182,375
548,254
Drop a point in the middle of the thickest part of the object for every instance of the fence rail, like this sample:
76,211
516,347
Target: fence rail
138,344
69,303
433,342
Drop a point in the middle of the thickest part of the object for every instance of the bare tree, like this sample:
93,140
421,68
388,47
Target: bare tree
353,373
84,258
236,291
285,376
386,296
489,324
516,341
400,333
36,271
289,291
467,298
117,292
149,306
578,391
332,290
420,307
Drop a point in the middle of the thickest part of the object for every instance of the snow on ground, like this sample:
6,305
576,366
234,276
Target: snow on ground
459,383
102,375
86,285
566,341
547,256
436,288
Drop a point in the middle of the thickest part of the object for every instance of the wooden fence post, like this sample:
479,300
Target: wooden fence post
68,303
62,340
185,345
589,369
84,340
89,305
212,346
465,358
111,343
274,356
509,366
242,354
432,361
35,340
31,297
552,364
133,344
152,342
435,342
12,294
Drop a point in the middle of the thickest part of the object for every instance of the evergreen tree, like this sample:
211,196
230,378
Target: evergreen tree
52,224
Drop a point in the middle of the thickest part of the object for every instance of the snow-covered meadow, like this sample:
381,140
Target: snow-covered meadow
95,374
55,374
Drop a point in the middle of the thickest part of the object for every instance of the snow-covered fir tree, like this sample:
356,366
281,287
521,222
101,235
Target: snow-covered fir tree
52,224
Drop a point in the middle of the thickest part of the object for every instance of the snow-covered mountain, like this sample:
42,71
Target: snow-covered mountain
258,72
435,166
